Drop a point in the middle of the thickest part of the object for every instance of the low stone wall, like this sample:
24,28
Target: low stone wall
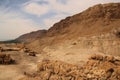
6,59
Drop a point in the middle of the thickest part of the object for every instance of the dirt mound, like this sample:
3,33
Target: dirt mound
6,59
98,67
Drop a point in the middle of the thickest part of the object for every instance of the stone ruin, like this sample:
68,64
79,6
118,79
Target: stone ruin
29,52
98,67
6,59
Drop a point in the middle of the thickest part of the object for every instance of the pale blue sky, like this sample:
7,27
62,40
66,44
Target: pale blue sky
22,16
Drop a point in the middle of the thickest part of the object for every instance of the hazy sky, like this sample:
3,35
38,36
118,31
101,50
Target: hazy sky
22,16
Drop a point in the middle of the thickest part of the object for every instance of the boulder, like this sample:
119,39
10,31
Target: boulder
32,53
96,57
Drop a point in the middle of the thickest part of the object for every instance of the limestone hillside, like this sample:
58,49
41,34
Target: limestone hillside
97,28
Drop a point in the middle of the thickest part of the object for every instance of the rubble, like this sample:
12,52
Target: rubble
6,59
98,67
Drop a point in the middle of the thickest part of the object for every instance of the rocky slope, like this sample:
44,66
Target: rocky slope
97,28
93,21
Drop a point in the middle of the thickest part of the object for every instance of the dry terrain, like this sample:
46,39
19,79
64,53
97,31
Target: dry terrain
85,46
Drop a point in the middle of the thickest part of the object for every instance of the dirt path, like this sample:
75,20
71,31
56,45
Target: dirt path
24,63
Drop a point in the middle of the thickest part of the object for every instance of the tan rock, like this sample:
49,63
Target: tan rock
96,57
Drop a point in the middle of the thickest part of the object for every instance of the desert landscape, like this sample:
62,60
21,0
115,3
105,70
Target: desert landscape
85,46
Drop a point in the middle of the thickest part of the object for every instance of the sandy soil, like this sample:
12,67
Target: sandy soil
24,63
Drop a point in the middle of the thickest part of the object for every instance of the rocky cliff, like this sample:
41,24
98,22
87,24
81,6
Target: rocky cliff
96,28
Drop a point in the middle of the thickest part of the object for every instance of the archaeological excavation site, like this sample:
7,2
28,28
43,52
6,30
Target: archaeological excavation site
83,46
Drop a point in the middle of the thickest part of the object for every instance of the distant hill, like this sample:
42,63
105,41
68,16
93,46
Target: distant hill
100,24
10,41
29,37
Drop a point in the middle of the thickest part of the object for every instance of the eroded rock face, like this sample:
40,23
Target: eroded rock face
98,22
98,67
